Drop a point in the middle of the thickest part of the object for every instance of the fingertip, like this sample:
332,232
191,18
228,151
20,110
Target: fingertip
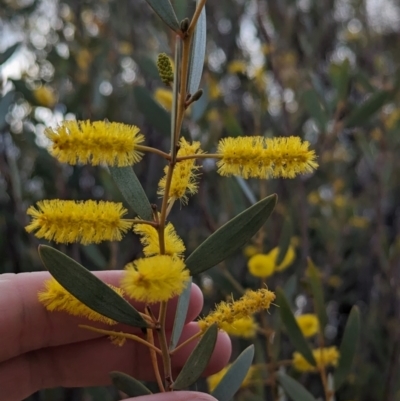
175,396
196,303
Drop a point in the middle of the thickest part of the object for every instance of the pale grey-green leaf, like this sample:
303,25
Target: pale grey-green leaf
348,347
129,385
294,389
231,236
198,52
235,375
180,315
198,359
165,11
132,191
86,287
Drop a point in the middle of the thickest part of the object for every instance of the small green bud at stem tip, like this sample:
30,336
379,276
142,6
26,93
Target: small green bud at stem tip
185,25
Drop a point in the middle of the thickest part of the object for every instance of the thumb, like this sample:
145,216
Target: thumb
175,396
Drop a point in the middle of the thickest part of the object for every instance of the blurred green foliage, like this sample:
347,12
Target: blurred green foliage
326,71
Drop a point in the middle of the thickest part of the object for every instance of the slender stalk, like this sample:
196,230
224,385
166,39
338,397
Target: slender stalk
164,347
138,221
154,362
142,148
200,156
122,335
321,368
185,343
196,16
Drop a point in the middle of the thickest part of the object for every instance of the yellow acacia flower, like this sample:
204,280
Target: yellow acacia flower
45,96
71,221
261,157
250,250
95,142
245,327
250,378
287,260
229,312
184,178
237,67
261,265
174,245
328,356
155,279
308,323
56,298
164,97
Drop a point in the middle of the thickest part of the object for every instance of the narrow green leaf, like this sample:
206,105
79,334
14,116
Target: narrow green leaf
315,109
154,114
180,315
198,359
175,93
348,347
8,53
129,385
317,293
132,190
290,287
294,389
293,330
340,75
165,11
5,103
86,287
231,236
234,377
366,110
284,241
198,52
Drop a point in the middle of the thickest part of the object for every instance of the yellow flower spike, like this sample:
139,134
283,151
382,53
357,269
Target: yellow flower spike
155,279
45,96
261,265
308,323
328,356
56,298
250,378
71,221
261,157
184,178
287,260
95,142
250,250
245,327
174,245
229,312
164,97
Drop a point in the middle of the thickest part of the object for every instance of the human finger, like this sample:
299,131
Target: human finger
88,363
25,324
175,396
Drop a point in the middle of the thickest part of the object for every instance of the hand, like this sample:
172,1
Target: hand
41,349
175,396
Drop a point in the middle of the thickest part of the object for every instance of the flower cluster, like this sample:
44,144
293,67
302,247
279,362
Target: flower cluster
184,177
264,265
155,279
324,357
230,312
261,157
70,221
308,323
56,298
174,245
95,142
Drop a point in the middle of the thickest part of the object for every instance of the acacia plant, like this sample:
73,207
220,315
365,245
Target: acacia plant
165,271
